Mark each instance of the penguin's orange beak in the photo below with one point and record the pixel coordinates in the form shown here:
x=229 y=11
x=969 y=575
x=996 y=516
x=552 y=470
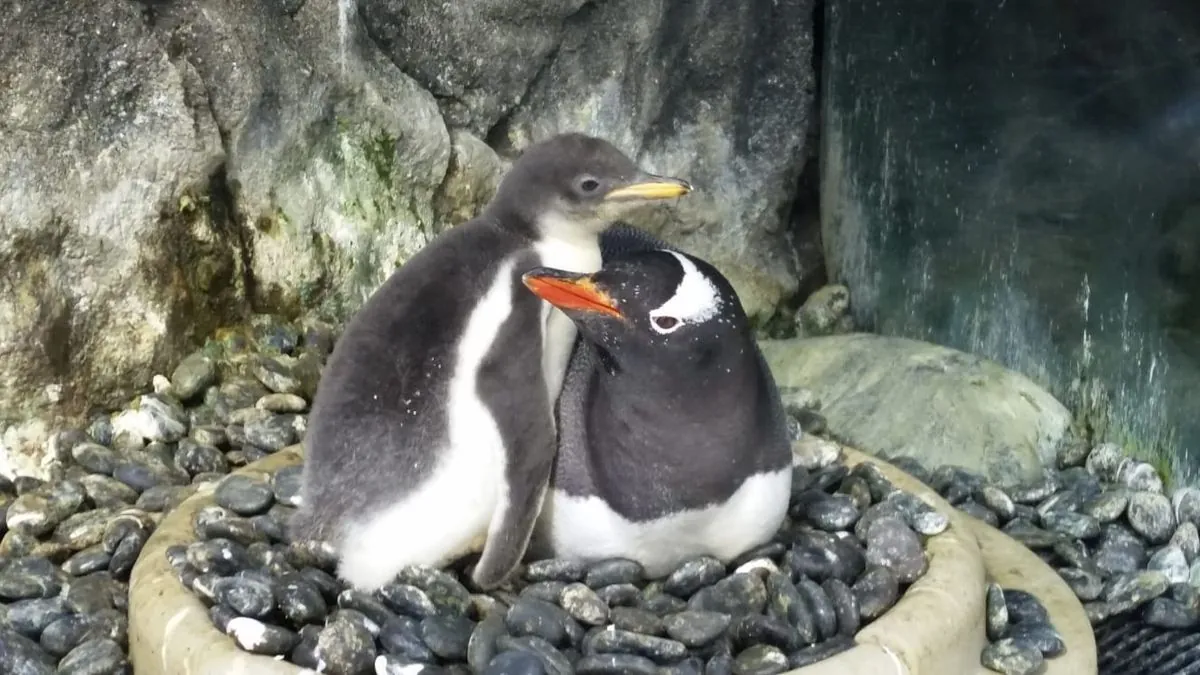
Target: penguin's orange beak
x=569 y=291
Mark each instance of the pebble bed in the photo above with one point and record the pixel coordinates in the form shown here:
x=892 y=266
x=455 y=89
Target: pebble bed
x=69 y=544
x=1104 y=522
x=850 y=547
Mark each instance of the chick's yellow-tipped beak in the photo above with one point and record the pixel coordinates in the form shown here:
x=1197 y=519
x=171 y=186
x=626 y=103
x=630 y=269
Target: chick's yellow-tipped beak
x=650 y=187
x=570 y=291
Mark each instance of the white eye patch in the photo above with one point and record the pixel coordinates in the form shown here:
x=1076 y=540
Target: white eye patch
x=695 y=300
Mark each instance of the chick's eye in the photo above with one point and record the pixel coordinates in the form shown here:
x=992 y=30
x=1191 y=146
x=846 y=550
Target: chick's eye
x=665 y=322
x=589 y=185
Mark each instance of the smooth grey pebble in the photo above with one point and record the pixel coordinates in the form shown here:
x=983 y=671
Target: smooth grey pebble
x=515 y=663
x=614 y=571
x=696 y=628
x=1012 y=657
x=100 y=656
x=760 y=660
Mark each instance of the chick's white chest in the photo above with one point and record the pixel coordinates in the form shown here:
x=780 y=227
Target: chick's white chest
x=558 y=332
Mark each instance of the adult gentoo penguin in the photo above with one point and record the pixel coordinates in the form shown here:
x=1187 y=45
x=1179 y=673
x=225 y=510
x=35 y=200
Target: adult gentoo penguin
x=432 y=431
x=672 y=438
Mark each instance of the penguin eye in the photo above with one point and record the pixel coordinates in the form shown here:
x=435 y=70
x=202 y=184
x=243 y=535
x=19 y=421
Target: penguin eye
x=589 y=185
x=665 y=323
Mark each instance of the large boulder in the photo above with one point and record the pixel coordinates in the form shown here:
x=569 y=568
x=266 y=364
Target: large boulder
x=916 y=399
x=169 y=167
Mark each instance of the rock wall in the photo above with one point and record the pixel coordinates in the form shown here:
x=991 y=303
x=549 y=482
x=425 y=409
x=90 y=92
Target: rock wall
x=167 y=167
x=1043 y=219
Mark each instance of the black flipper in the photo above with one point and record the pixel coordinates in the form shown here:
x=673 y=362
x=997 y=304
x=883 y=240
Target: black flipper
x=530 y=437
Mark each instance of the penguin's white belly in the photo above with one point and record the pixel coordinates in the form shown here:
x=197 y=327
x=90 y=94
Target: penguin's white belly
x=558 y=339
x=587 y=528
x=448 y=514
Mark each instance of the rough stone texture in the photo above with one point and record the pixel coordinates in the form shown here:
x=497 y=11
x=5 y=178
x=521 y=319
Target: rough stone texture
x=916 y=399
x=334 y=154
x=101 y=132
x=192 y=159
x=689 y=87
x=825 y=312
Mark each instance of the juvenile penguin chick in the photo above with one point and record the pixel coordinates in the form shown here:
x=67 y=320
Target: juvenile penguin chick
x=432 y=431
x=672 y=438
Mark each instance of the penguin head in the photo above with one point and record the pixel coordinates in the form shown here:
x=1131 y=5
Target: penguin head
x=573 y=181
x=658 y=303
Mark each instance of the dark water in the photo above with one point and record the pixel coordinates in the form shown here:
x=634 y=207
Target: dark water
x=1021 y=179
